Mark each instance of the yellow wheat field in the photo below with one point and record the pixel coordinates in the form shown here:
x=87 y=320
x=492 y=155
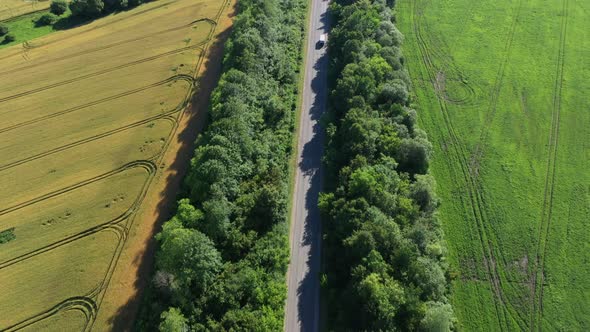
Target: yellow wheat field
x=85 y=118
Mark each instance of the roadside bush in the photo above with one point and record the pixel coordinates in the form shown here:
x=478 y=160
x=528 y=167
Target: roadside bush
x=8 y=38
x=3 y=29
x=46 y=19
x=88 y=8
x=116 y=4
x=7 y=236
x=58 y=7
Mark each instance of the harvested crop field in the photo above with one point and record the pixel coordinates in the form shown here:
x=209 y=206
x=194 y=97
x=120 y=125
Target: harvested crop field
x=502 y=88
x=88 y=118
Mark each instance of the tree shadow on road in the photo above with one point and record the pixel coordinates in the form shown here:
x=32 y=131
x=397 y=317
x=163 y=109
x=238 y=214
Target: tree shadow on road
x=310 y=165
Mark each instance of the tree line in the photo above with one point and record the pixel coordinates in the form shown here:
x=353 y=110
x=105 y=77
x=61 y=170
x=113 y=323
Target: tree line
x=79 y=11
x=384 y=252
x=96 y=8
x=222 y=259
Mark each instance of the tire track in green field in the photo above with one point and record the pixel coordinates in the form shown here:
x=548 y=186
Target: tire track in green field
x=476 y=200
x=431 y=70
x=475 y=159
x=447 y=65
x=538 y=275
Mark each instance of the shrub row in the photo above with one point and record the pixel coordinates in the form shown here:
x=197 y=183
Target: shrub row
x=96 y=8
x=222 y=259
x=383 y=244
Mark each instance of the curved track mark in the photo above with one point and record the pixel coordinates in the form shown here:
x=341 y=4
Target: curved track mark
x=165 y=116
x=84 y=304
x=142 y=163
x=150 y=170
x=476 y=199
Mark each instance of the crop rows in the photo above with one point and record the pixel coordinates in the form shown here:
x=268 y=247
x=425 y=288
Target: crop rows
x=89 y=303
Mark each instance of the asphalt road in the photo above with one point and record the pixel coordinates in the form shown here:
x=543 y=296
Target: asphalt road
x=303 y=298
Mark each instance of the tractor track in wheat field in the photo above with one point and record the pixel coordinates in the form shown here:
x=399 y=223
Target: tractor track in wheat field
x=90 y=303
x=101 y=72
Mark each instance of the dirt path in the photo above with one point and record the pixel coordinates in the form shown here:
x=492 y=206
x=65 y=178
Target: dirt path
x=134 y=268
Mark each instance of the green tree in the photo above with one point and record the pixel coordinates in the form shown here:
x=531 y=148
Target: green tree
x=188 y=215
x=381 y=298
x=173 y=321
x=439 y=317
x=58 y=7
x=413 y=156
x=9 y=37
x=3 y=29
x=88 y=8
x=424 y=194
x=46 y=19
x=188 y=255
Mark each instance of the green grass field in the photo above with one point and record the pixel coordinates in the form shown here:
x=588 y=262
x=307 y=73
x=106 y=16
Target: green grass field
x=15 y=8
x=20 y=16
x=86 y=116
x=502 y=90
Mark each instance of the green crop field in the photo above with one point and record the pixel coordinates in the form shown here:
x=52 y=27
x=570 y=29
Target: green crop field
x=86 y=117
x=502 y=89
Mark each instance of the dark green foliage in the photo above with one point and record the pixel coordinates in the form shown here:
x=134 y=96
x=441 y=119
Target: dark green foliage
x=58 y=7
x=96 y=8
x=119 y=4
x=223 y=257
x=3 y=29
x=7 y=236
x=88 y=8
x=9 y=37
x=132 y=3
x=384 y=248
x=46 y=19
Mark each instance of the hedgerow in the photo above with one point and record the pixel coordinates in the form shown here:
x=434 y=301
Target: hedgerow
x=383 y=245
x=222 y=259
